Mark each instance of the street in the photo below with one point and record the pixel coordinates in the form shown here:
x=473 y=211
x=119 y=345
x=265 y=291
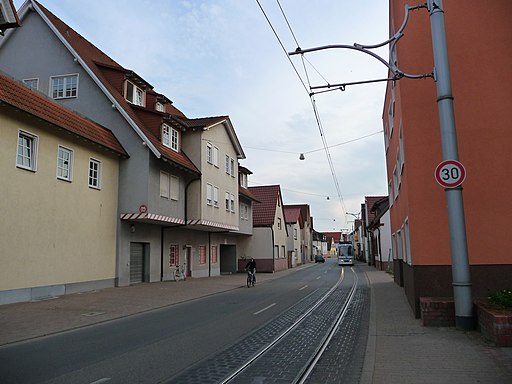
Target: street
x=181 y=343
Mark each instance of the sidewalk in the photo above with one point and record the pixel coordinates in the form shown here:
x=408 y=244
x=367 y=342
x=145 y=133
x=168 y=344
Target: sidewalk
x=400 y=349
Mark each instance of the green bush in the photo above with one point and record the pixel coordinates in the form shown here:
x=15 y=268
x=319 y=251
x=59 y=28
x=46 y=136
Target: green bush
x=501 y=298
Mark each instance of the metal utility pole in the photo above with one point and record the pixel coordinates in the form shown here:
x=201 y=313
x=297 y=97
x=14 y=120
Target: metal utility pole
x=464 y=312
x=450 y=172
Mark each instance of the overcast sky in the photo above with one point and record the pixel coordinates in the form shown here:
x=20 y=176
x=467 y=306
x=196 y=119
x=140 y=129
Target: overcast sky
x=221 y=57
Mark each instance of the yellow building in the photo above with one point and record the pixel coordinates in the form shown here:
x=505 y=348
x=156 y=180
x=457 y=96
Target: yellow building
x=58 y=198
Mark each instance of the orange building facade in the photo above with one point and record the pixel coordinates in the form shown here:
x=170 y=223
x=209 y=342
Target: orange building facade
x=479 y=39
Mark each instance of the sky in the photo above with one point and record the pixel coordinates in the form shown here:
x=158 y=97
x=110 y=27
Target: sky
x=222 y=57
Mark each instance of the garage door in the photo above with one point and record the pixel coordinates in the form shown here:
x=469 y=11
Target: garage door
x=136 y=262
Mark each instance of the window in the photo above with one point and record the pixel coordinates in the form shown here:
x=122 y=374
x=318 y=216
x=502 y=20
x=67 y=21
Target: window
x=216 y=197
x=175 y=188
x=391 y=116
x=227 y=164
x=227 y=201
x=408 y=242
x=395 y=183
x=243 y=180
x=202 y=254
x=386 y=136
x=209 y=194
x=232 y=167
x=94 y=173
x=64 y=163
x=232 y=201
x=63 y=87
x=32 y=83
x=134 y=94
x=27 y=151
x=164 y=185
x=278 y=223
x=390 y=193
x=159 y=107
x=170 y=137
x=295 y=233
x=174 y=255
x=214 y=254
x=216 y=156
x=209 y=153
x=401 y=149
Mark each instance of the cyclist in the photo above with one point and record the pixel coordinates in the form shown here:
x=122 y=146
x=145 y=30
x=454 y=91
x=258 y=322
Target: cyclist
x=251 y=268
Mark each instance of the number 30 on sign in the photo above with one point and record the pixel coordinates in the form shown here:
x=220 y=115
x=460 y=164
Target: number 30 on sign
x=450 y=173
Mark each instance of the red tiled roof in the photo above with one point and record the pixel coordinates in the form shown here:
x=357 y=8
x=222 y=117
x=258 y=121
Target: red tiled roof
x=292 y=215
x=336 y=236
x=245 y=192
x=264 y=212
x=112 y=75
x=370 y=201
x=36 y=104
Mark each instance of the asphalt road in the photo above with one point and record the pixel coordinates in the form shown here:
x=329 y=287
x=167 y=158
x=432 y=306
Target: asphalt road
x=155 y=346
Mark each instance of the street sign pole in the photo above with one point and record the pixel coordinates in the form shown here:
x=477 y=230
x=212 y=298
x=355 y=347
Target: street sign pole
x=464 y=312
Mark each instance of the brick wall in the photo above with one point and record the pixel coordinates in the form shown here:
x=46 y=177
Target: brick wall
x=495 y=325
x=437 y=311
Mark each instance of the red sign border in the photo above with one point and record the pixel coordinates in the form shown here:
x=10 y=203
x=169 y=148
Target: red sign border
x=450 y=185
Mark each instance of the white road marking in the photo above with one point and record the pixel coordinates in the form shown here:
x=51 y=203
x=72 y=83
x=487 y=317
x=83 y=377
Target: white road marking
x=319 y=277
x=264 y=309
x=104 y=380
x=304 y=287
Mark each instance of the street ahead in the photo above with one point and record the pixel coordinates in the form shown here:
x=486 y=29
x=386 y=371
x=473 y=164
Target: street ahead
x=211 y=339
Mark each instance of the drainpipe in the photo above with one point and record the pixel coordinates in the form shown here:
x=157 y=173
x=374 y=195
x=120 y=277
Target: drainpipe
x=273 y=254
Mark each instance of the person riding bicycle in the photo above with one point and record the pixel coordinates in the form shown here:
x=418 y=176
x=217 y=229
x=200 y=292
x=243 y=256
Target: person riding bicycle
x=251 y=267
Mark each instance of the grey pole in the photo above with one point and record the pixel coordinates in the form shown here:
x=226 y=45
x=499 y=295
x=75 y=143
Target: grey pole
x=464 y=312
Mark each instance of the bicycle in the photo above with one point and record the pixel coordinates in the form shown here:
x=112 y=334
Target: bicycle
x=179 y=274
x=251 y=278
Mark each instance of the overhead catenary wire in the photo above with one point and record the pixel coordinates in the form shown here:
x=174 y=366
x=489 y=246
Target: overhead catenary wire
x=311 y=97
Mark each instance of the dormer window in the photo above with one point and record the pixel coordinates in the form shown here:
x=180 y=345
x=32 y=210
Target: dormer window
x=159 y=107
x=170 y=137
x=134 y=94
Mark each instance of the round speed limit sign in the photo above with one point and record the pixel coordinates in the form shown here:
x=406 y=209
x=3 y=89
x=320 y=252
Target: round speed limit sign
x=450 y=173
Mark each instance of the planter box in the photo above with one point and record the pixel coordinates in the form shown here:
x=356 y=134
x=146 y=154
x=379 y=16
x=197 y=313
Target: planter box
x=437 y=311
x=495 y=324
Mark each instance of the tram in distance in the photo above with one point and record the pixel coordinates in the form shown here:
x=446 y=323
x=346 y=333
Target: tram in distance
x=345 y=253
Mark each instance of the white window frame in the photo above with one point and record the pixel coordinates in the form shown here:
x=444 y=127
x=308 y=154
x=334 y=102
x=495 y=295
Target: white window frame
x=61 y=163
x=164 y=185
x=175 y=188
x=96 y=176
x=209 y=153
x=209 y=194
x=216 y=156
x=138 y=94
x=166 y=135
x=28 y=153
x=227 y=201
x=391 y=116
x=159 y=107
x=279 y=224
x=175 y=140
x=227 y=164
x=68 y=91
x=215 y=197
x=401 y=148
x=232 y=167
x=32 y=83
x=408 y=241
x=396 y=183
x=232 y=203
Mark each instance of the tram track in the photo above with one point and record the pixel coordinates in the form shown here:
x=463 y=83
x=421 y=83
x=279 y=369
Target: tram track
x=290 y=353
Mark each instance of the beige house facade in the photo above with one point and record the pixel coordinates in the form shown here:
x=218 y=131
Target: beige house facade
x=59 y=199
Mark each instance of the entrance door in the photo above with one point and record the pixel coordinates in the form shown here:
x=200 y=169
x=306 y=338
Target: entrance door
x=136 y=263
x=188 y=267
